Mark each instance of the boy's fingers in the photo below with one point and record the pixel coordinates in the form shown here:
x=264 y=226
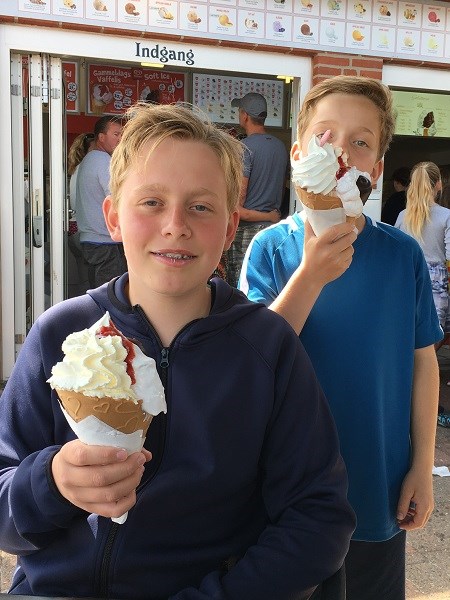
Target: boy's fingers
x=80 y=454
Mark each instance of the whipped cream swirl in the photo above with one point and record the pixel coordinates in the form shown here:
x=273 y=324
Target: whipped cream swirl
x=95 y=365
x=316 y=172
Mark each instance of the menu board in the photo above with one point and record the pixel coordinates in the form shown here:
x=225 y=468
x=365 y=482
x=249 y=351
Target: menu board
x=422 y=114
x=113 y=89
x=369 y=27
x=71 y=86
x=213 y=94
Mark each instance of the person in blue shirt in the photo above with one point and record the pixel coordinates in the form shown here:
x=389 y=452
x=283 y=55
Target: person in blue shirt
x=370 y=334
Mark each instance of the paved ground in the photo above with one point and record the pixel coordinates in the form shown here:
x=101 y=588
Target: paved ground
x=428 y=550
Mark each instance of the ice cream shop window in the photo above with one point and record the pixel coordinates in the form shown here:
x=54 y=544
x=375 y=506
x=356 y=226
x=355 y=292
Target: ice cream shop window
x=113 y=89
x=423 y=114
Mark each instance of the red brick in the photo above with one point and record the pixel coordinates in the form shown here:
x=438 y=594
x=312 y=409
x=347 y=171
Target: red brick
x=332 y=59
x=367 y=63
x=373 y=74
x=321 y=70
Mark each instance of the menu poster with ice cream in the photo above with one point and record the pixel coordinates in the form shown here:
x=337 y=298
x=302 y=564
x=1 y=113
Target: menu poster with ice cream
x=334 y=9
x=306 y=31
x=163 y=13
x=278 y=26
x=193 y=17
x=112 y=90
x=409 y=14
x=253 y=4
x=41 y=7
x=408 y=41
x=422 y=114
x=68 y=8
x=251 y=24
x=101 y=10
x=222 y=20
x=134 y=12
x=433 y=17
x=213 y=94
x=359 y=10
x=432 y=44
x=357 y=36
x=307 y=7
x=71 y=86
x=383 y=39
x=385 y=11
x=332 y=33
x=279 y=5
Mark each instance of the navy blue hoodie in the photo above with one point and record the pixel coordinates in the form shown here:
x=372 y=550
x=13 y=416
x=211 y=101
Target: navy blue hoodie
x=245 y=497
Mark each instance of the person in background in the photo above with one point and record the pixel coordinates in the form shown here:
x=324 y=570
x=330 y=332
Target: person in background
x=444 y=197
x=264 y=177
x=104 y=256
x=78 y=150
x=370 y=334
x=396 y=201
x=243 y=496
x=429 y=223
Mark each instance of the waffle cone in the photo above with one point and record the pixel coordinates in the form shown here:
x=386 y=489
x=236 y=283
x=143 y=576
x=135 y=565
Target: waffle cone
x=318 y=201
x=321 y=202
x=124 y=415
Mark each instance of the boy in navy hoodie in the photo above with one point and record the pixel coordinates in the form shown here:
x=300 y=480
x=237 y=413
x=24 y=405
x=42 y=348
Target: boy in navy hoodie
x=240 y=490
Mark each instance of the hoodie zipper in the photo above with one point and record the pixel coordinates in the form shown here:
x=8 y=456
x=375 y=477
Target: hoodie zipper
x=106 y=560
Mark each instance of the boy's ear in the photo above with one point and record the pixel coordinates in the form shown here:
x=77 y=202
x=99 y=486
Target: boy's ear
x=112 y=219
x=232 y=226
x=376 y=171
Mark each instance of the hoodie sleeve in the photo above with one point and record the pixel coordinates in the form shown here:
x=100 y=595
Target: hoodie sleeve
x=305 y=493
x=32 y=511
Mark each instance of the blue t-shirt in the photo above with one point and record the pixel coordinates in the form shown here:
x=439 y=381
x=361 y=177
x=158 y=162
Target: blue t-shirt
x=360 y=335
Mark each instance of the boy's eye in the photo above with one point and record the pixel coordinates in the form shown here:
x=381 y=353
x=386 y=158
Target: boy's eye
x=200 y=208
x=361 y=143
x=151 y=202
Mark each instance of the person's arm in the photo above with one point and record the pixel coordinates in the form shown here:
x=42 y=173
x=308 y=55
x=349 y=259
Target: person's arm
x=417 y=486
x=325 y=258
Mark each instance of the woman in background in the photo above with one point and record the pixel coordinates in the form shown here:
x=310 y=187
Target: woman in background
x=429 y=224
x=78 y=150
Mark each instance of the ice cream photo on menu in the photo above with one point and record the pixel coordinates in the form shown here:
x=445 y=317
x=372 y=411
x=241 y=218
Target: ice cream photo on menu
x=108 y=389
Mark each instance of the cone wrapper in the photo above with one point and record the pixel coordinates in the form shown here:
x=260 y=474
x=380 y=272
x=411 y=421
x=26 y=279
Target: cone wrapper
x=322 y=211
x=106 y=422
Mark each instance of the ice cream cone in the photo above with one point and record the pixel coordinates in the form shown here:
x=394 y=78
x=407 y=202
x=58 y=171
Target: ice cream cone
x=123 y=415
x=318 y=201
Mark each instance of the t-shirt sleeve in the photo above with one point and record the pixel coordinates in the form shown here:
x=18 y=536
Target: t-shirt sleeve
x=103 y=176
x=257 y=278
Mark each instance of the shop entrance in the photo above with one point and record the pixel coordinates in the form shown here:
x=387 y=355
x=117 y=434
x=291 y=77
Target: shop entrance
x=39 y=206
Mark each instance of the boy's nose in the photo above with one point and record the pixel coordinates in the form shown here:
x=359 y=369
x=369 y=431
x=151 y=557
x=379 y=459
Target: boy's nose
x=176 y=224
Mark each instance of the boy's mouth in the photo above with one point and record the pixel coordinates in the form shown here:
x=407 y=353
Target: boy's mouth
x=174 y=255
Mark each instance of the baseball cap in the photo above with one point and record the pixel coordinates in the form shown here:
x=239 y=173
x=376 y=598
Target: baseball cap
x=253 y=104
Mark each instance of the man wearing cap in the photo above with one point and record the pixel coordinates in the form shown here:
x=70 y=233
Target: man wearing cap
x=264 y=177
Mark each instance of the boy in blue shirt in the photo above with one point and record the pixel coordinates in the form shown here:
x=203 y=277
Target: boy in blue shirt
x=370 y=334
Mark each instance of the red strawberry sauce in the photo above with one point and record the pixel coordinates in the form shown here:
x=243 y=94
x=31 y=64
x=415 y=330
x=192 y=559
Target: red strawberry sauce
x=111 y=329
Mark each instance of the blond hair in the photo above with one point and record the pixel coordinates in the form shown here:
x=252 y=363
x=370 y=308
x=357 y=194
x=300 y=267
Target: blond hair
x=156 y=123
x=78 y=150
x=420 y=196
x=371 y=89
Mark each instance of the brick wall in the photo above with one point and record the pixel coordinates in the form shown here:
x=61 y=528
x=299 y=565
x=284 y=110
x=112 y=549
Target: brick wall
x=327 y=65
